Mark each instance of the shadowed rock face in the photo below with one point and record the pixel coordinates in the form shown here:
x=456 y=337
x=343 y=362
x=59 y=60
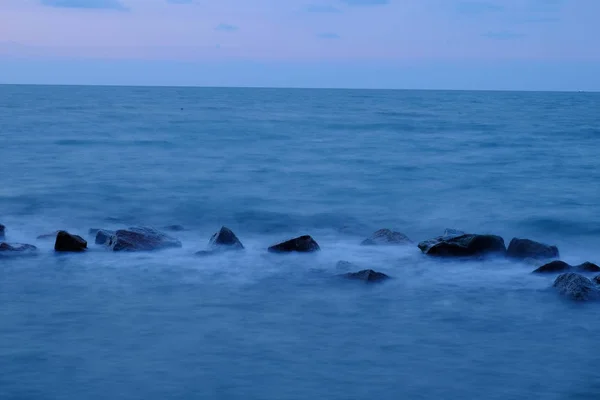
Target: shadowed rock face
x=225 y=238
x=388 y=237
x=65 y=242
x=525 y=248
x=2 y=232
x=463 y=246
x=141 y=239
x=576 y=287
x=367 y=275
x=16 y=248
x=302 y=244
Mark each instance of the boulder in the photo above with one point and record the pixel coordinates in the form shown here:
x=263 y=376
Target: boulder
x=386 y=237
x=141 y=239
x=2 y=232
x=466 y=245
x=16 y=248
x=553 y=267
x=576 y=287
x=225 y=239
x=103 y=236
x=367 y=275
x=48 y=235
x=525 y=248
x=587 y=267
x=302 y=244
x=65 y=242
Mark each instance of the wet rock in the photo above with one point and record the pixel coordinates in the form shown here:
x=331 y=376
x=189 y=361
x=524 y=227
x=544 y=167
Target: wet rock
x=302 y=244
x=463 y=246
x=141 y=239
x=65 y=242
x=174 y=228
x=525 y=248
x=103 y=236
x=2 y=232
x=367 y=275
x=587 y=267
x=386 y=237
x=576 y=287
x=225 y=239
x=48 y=235
x=6 y=248
x=553 y=267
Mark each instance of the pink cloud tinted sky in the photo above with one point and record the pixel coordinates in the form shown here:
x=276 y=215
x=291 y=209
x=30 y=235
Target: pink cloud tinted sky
x=345 y=32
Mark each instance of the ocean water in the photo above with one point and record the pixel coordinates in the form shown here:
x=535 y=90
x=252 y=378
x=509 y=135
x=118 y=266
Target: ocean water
x=271 y=164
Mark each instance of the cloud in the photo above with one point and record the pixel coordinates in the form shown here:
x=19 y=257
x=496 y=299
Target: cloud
x=322 y=8
x=93 y=4
x=504 y=35
x=478 y=7
x=226 y=28
x=366 y=2
x=328 y=35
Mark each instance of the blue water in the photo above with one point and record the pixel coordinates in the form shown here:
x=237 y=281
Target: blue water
x=272 y=164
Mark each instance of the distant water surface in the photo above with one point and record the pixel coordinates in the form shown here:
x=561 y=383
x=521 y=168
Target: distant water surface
x=272 y=164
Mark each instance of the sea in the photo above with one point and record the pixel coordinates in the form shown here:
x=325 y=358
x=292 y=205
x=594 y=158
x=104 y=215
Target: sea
x=272 y=164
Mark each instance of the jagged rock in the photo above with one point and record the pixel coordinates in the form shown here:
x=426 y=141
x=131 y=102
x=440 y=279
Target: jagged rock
x=48 y=235
x=463 y=246
x=141 y=239
x=103 y=236
x=367 y=275
x=225 y=238
x=386 y=237
x=2 y=232
x=302 y=244
x=576 y=287
x=525 y=248
x=174 y=228
x=65 y=242
x=6 y=248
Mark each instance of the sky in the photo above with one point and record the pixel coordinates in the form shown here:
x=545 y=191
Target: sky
x=411 y=44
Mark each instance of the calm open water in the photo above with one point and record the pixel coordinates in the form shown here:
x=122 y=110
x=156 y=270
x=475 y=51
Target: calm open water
x=272 y=164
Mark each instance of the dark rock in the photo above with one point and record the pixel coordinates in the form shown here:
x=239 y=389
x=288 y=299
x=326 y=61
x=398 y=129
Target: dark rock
x=48 y=235
x=2 y=232
x=141 y=239
x=525 y=248
x=386 y=237
x=65 y=242
x=103 y=236
x=16 y=248
x=463 y=246
x=367 y=275
x=553 y=267
x=225 y=238
x=302 y=244
x=597 y=279
x=576 y=287
x=174 y=228
x=587 y=267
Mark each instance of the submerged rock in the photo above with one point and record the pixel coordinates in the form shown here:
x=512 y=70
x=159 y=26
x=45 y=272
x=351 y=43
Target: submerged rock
x=65 y=242
x=525 y=248
x=466 y=245
x=16 y=248
x=103 y=236
x=2 y=232
x=367 y=275
x=576 y=287
x=302 y=244
x=386 y=237
x=345 y=265
x=225 y=238
x=141 y=239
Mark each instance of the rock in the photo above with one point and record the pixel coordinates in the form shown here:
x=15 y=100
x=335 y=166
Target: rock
x=65 y=242
x=2 y=232
x=576 y=287
x=302 y=244
x=48 y=235
x=16 y=248
x=597 y=279
x=103 y=236
x=367 y=275
x=174 y=228
x=463 y=246
x=525 y=248
x=553 y=267
x=141 y=239
x=386 y=237
x=587 y=267
x=453 y=232
x=225 y=238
